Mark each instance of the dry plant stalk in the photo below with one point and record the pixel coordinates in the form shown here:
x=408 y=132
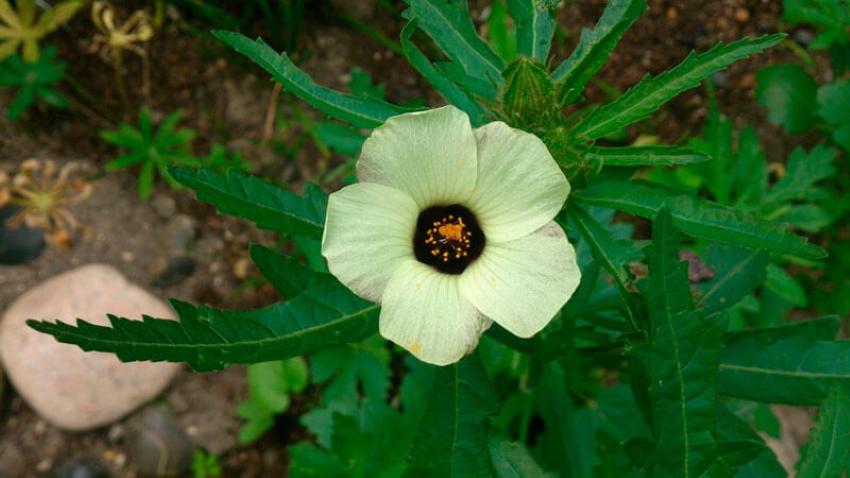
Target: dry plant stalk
x=43 y=192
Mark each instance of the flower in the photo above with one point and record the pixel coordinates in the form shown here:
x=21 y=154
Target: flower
x=451 y=229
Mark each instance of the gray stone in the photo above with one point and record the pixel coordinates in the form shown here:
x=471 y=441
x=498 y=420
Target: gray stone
x=164 y=205
x=70 y=388
x=181 y=232
x=157 y=445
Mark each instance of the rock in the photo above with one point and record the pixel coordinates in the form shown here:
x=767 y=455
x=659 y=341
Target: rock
x=21 y=244
x=70 y=388
x=174 y=271
x=182 y=230
x=157 y=445
x=165 y=206
x=83 y=468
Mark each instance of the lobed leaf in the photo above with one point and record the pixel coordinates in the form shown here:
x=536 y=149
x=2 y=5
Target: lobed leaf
x=789 y=94
x=535 y=24
x=208 y=339
x=828 y=450
x=679 y=363
x=699 y=217
x=737 y=273
x=259 y=201
x=791 y=363
x=647 y=96
x=595 y=46
x=451 y=28
x=630 y=156
x=360 y=111
x=452 y=438
x=444 y=86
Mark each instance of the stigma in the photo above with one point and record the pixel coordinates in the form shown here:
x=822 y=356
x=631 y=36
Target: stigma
x=448 y=238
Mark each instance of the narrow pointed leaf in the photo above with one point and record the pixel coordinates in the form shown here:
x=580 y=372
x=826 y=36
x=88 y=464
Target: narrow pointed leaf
x=359 y=111
x=652 y=92
x=257 y=200
x=451 y=28
x=286 y=275
x=595 y=46
x=452 y=439
x=535 y=24
x=209 y=339
x=699 y=217
x=444 y=86
x=790 y=364
x=630 y=156
x=737 y=273
x=828 y=450
x=680 y=361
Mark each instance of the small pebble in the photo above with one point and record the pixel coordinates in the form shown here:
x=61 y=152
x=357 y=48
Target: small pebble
x=182 y=230
x=157 y=445
x=83 y=468
x=21 y=244
x=164 y=205
x=175 y=271
x=742 y=15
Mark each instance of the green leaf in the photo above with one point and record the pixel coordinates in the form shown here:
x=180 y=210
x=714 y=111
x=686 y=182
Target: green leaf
x=829 y=445
x=680 y=361
x=612 y=253
x=208 y=339
x=257 y=200
x=285 y=273
x=803 y=172
x=444 y=86
x=359 y=111
x=737 y=273
x=500 y=33
x=698 y=217
x=647 y=96
x=737 y=434
x=451 y=28
x=791 y=364
x=567 y=437
x=452 y=438
x=595 y=46
x=535 y=24
x=630 y=156
x=789 y=94
x=270 y=384
x=364 y=365
x=340 y=138
x=512 y=460
x=834 y=101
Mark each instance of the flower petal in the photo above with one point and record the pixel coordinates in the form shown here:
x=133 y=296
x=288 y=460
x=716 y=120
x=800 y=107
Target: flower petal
x=520 y=187
x=423 y=311
x=522 y=284
x=428 y=154
x=368 y=232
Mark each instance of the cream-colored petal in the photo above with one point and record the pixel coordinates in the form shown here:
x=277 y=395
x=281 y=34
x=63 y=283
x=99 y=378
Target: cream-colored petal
x=427 y=154
x=520 y=187
x=368 y=232
x=423 y=311
x=523 y=283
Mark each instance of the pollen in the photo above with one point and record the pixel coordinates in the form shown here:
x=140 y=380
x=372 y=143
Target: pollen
x=448 y=238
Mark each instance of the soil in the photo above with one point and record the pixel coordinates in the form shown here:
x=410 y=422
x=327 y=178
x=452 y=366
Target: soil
x=227 y=101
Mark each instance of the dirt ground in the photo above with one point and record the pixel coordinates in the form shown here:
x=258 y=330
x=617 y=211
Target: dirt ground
x=226 y=100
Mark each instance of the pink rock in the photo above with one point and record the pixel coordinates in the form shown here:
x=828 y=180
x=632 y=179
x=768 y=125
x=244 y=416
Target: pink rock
x=70 y=388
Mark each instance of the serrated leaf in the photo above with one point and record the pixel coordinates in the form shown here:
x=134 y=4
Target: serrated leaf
x=737 y=273
x=451 y=28
x=595 y=46
x=270 y=384
x=630 y=156
x=834 y=101
x=803 y=172
x=789 y=94
x=680 y=361
x=259 y=201
x=285 y=274
x=828 y=450
x=613 y=254
x=349 y=368
x=647 y=96
x=359 y=111
x=208 y=339
x=444 y=86
x=698 y=217
x=790 y=364
x=452 y=438
x=734 y=432
x=340 y=138
x=535 y=24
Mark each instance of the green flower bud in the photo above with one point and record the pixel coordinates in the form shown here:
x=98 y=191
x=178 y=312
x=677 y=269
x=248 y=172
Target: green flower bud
x=528 y=99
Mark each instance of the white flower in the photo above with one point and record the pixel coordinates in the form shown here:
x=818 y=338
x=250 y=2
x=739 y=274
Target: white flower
x=452 y=228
